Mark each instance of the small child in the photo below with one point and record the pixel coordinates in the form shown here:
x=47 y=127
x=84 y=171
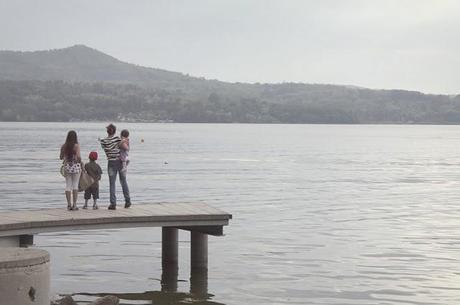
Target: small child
x=124 y=150
x=94 y=170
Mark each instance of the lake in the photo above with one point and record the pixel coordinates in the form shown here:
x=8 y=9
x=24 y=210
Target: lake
x=322 y=214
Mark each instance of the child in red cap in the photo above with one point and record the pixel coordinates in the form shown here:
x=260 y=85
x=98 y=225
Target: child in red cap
x=94 y=170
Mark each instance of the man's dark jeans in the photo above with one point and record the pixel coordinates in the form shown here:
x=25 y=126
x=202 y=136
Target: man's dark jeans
x=113 y=168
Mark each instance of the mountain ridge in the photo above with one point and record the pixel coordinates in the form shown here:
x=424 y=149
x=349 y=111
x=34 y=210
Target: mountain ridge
x=75 y=63
x=67 y=84
x=78 y=50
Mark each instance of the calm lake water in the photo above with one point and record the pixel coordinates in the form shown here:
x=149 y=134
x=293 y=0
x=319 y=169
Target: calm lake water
x=323 y=214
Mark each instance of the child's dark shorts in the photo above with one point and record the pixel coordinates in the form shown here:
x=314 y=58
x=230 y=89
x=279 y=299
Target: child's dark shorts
x=92 y=190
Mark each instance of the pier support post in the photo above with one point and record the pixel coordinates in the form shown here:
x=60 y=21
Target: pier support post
x=26 y=241
x=170 y=246
x=199 y=283
x=9 y=241
x=169 y=277
x=169 y=259
x=199 y=264
x=22 y=241
x=198 y=250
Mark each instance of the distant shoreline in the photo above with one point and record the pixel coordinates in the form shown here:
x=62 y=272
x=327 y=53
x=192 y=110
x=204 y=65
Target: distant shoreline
x=240 y=123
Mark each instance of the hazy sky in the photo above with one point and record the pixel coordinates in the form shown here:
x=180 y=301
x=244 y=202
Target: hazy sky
x=406 y=44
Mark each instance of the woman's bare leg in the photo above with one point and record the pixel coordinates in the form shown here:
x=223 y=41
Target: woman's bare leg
x=69 y=199
x=75 y=196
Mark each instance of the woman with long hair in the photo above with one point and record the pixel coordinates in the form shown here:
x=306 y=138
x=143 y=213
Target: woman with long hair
x=70 y=154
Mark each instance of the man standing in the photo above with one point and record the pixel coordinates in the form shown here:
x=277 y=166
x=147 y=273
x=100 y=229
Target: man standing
x=111 y=146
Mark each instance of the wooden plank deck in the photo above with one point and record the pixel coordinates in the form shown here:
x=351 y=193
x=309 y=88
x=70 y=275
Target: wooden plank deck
x=181 y=215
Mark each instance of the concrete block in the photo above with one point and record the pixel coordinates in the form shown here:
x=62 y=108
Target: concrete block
x=24 y=276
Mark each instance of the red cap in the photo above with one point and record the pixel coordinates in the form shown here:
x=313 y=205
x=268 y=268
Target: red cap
x=93 y=155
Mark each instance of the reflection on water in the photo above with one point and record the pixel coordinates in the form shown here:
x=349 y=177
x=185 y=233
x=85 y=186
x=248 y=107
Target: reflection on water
x=156 y=298
x=168 y=295
x=199 y=283
x=169 y=278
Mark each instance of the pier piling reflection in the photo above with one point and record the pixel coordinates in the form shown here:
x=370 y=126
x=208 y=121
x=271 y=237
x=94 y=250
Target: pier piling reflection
x=198 y=293
x=199 y=283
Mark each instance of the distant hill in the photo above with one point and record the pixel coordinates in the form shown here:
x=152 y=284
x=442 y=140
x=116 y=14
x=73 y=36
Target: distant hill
x=80 y=83
x=78 y=64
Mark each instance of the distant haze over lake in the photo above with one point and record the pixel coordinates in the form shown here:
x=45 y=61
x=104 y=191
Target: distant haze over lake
x=83 y=84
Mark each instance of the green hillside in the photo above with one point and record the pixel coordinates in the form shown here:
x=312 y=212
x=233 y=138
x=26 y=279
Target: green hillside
x=80 y=83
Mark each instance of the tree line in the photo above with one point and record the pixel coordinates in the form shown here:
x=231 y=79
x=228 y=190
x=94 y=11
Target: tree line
x=221 y=103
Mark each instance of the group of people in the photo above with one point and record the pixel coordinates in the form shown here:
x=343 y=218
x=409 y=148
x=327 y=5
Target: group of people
x=116 y=149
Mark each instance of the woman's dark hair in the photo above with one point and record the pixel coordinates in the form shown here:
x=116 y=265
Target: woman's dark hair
x=124 y=133
x=69 y=145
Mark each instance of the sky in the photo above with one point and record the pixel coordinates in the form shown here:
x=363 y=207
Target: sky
x=385 y=44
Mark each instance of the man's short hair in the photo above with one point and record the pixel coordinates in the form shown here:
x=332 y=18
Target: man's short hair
x=111 y=129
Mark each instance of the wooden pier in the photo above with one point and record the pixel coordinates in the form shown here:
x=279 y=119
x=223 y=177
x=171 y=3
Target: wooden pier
x=17 y=228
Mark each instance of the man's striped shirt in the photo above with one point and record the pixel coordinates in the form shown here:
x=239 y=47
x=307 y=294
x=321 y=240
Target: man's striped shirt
x=111 y=147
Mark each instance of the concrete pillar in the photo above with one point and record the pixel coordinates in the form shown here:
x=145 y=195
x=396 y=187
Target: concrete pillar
x=9 y=241
x=169 y=246
x=169 y=259
x=17 y=241
x=24 y=276
x=198 y=250
x=169 y=277
x=199 y=283
x=26 y=241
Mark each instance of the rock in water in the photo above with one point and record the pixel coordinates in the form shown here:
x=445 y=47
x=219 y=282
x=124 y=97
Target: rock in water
x=107 y=300
x=67 y=300
x=54 y=300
